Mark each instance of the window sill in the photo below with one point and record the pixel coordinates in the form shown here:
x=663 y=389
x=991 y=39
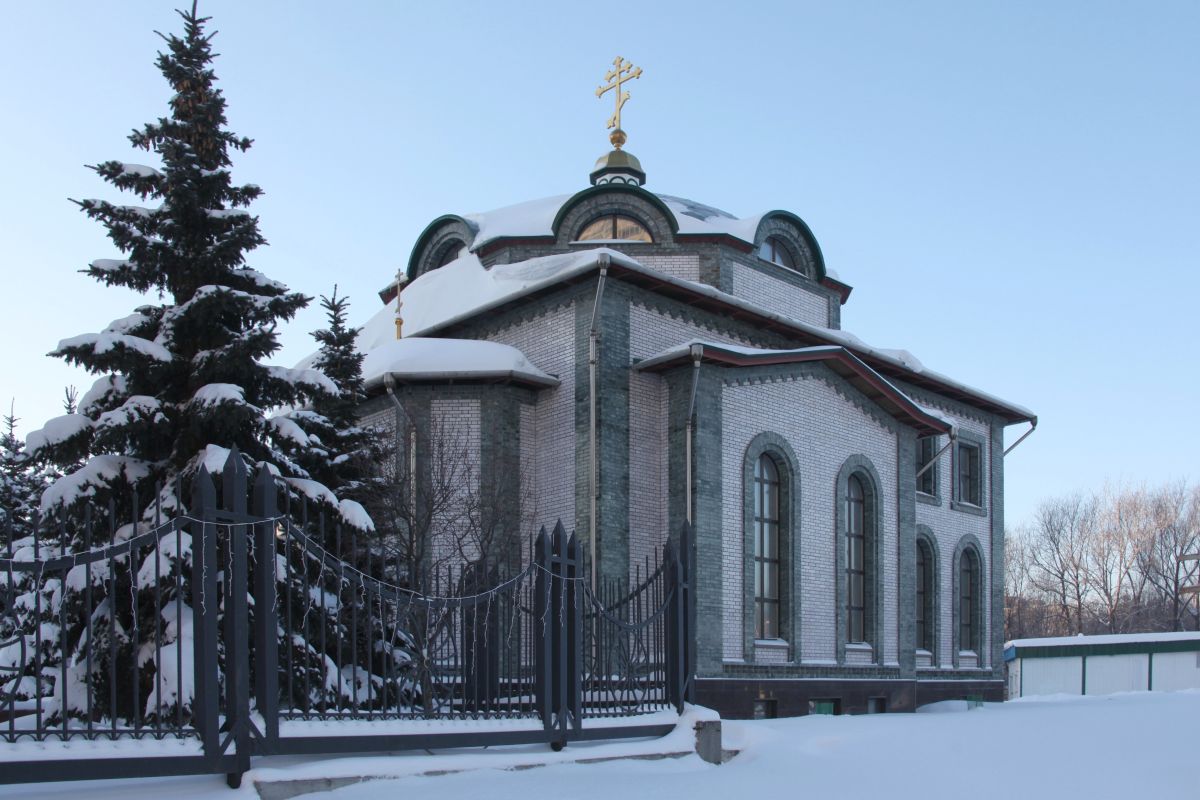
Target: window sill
x=609 y=241
x=860 y=647
x=969 y=508
x=778 y=644
x=929 y=499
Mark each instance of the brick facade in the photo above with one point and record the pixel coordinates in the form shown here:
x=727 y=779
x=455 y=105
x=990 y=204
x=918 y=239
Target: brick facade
x=816 y=424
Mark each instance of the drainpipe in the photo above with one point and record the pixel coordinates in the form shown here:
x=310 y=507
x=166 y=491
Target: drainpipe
x=937 y=455
x=1032 y=428
x=594 y=456
x=697 y=352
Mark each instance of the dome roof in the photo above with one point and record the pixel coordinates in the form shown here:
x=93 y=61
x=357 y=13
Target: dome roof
x=618 y=166
x=618 y=159
x=536 y=218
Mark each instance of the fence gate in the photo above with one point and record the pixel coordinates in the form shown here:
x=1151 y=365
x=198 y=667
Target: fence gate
x=250 y=626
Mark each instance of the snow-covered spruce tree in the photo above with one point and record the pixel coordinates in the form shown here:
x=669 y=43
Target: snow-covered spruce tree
x=21 y=484
x=345 y=454
x=181 y=382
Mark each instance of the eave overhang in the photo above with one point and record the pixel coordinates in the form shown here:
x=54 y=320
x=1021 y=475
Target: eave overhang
x=709 y=299
x=838 y=359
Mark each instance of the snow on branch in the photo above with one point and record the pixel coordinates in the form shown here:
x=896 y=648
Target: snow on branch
x=258 y=279
x=100 y=472
x=105 y=342
x=354 y=515
x=111 y=264
x=313 y=490
x=57 y=431
x=213 y=394
x=141 y=170
x=288 y=429
x=134 y=409
x=311 y=378
x=103 y=393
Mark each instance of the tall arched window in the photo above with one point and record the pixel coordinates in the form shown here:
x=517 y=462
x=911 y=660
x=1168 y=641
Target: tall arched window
x=766 y=548
x=968 y=601
x=926 y=624
x=856 y=563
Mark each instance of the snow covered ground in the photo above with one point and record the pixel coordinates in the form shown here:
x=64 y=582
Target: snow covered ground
x=1120 y=746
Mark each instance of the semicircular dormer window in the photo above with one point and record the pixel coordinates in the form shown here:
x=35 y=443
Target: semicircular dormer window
x=774 y=250
x=449 y=253
x=615 y=227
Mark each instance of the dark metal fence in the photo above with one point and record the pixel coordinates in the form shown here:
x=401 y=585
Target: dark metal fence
x=243 y=628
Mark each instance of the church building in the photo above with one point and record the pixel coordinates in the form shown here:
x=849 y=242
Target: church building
x=626 y=360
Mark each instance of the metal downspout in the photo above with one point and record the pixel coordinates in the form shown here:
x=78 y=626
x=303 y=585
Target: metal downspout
x=594 y=456
x=1013 y=446
x=697 y=352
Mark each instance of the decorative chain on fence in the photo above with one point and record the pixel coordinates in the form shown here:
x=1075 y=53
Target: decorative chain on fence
x=232 y=621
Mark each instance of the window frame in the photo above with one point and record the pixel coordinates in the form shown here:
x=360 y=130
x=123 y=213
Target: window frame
x=856 y=534
x=924 y=616
x=767 y=516
x=613 y=218
x=778 y=247
x=860 y=467
x=968 y=473
x=930 y=478
x=969 y=624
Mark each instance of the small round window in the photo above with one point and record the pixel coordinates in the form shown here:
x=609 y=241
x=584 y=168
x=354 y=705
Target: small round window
x=774 y=250
x=614 y=227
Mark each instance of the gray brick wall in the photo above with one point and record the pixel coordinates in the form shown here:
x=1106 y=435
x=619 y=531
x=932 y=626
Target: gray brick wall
x=548 y=340
x=950 y=524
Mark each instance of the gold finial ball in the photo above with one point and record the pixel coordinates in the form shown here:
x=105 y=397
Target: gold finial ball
x=617 y=138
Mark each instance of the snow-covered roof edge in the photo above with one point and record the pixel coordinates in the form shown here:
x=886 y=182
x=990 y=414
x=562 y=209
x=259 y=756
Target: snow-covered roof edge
x=927 y=416
x=1106 y=639
x=852 y=343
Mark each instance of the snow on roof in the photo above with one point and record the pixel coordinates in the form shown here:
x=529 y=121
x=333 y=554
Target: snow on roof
x=535 y=218
x=531 y=218
x=1107 y=638
x=416 y=358
x=696 y=217
x=683 y=349
x=465 y=286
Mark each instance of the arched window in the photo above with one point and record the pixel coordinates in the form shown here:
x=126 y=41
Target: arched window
x=856 y=563
x=615 y=227
x=774 y=250
x=766 y=548
x=968 y=601
x=449 y=252
x=926 y=624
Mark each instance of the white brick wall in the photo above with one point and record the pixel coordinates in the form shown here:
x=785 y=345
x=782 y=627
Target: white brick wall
x=949 y=526
x=549 y=342
x=458 y=421
x=651 y=332
x=684 y=267
x=823 y=428
x=780 y=297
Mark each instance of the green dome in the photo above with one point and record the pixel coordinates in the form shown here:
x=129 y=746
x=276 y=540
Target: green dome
x=618 y=166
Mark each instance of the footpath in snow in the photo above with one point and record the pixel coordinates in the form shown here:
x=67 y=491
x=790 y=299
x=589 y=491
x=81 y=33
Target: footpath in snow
x=1120 y=746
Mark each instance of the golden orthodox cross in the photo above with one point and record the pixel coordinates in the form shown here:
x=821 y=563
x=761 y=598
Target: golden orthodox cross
x=621 y=72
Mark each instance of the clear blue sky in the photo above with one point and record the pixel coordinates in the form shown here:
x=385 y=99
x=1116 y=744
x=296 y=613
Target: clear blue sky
x=1012 y=188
